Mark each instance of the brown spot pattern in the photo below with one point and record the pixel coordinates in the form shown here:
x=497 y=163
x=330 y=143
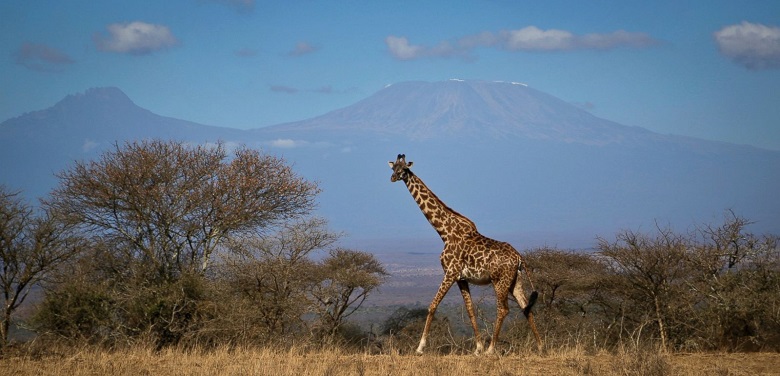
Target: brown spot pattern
x=468 y=257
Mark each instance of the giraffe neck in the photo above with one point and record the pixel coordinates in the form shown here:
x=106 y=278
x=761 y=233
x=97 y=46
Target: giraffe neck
x=447 y=222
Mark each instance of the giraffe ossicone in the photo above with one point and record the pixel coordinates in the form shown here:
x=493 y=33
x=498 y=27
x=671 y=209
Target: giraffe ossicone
x=469 y=257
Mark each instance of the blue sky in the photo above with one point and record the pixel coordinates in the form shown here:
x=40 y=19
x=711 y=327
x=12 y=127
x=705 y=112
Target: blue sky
x=708 y=69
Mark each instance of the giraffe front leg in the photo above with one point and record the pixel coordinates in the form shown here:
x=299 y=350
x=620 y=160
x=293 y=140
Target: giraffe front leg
x=443 y=288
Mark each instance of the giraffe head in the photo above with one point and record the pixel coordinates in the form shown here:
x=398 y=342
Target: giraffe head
x=400 y=168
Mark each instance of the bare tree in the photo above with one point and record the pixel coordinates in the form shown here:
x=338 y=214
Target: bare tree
x=162 y=211
x=348 y=277
x=572 y=295
x=171 y=204
x=726 y=244
x=30 y=247
x=736 y=280
x=270 y=276
x=566 y=278
x=654 y=267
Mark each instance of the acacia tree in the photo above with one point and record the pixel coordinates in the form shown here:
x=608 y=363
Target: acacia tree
x=348 y=277
x=737 y=285
x=268 y=278
x=654 y=268
x=30 y=248
x=170 y=205
x=161 y=211
x=572 y=298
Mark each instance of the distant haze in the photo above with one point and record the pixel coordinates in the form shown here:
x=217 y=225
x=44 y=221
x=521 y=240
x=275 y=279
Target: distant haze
x=525 y=166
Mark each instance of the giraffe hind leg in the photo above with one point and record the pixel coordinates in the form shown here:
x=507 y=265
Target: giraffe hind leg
x=526 y=305
x=464 y=290
x=502 y=310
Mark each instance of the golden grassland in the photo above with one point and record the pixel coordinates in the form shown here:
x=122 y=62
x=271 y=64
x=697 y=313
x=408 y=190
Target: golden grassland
x=140 y=361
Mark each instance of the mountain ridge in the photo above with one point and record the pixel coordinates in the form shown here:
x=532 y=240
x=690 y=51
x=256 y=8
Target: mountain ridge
x=539 y=165
x=38 y=144
x=106 y=111
x=468 y=108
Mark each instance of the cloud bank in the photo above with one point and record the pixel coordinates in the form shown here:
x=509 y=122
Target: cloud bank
x=754 y=46
x=136 y=38
x=42 y=58
x=401 y=49
x=529 y=38
x=532 y=38
x=286 y=143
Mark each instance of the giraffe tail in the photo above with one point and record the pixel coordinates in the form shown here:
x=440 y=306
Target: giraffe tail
x=534 y=294
x=531 y=302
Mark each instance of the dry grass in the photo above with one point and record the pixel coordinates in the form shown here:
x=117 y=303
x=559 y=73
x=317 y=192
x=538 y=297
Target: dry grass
x=140 y=361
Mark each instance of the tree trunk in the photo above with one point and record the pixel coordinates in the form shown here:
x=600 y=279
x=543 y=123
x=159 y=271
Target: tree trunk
x=5 y=326
x=659 y=318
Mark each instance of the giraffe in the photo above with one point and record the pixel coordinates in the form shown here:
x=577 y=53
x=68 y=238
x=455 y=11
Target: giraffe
x=468 y=257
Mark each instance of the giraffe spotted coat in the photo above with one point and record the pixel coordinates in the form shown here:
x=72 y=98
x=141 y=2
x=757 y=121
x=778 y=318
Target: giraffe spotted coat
x=467 y=257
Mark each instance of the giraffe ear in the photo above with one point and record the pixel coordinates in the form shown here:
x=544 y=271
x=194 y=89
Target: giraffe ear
x=409 y=164
x=391 y=163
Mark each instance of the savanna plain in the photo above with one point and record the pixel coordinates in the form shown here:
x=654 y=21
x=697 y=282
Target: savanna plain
x=167 y=259
x=238 y=361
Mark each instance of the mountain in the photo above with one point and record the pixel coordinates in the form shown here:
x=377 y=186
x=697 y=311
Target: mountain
x=522 y=164
x=36 y=145
x=525 y=166
x=458 y=109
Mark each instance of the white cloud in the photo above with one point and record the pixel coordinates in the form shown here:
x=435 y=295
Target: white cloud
x=287 y=143
x=529 y=38
x=533 y=38
x=89 y=145
x=401 y=49
x=137 y=38
x=754 y=46
x=42 y=58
